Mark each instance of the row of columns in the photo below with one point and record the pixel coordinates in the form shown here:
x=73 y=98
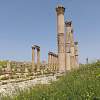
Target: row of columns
x=52 y=61
x=67 y=57
x=71 y=48
x=35 y=47
x=67 y=49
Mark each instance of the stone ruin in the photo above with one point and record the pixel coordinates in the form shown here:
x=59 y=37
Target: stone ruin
x=67 y=48
x=65 y=60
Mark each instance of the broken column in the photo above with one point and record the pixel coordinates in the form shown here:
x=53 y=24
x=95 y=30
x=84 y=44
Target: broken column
x=60 y=37
x=9 y=70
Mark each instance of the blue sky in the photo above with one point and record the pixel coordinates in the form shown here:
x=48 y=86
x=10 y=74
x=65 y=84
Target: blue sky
x=27 y=22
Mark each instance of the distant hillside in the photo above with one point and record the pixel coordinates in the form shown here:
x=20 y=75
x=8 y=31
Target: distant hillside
x=81 y=84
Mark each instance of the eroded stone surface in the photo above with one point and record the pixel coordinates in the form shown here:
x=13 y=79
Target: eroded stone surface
x=12 y=88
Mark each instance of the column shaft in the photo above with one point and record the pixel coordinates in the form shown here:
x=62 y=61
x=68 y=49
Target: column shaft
x=67 y=45
x=72 y=57
x=33 y=58
x=48 y=61
x=9 y=66
x=60 y=37
x=38 y=59
x=68 y=67
x=52 y=62
x=76 y=55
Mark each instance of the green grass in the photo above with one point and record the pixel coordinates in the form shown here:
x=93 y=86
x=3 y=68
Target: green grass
x=81 y=84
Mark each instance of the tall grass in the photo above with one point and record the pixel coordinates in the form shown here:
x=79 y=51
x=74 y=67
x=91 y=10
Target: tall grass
x=81 y=84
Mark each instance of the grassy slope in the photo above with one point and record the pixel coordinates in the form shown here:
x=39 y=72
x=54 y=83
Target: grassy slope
x=82 y=84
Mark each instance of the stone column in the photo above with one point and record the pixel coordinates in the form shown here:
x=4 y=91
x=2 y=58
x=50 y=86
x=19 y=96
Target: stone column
x=48 y=61
x=70 y=40
x=52 y=64
x=38 y=58
x=76 y=55
x=68 y=63
x=72 y=57
x=9 y=70
x=60 y=37
x=26 y=69
x=72 y=49
x=67 y=45
x=56 y=62
x=8 y=63
x=33 y=58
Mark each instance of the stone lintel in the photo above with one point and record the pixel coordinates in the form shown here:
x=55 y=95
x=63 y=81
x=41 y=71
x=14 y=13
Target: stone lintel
x=50 y=53
x=53 y=54
x=35 y=47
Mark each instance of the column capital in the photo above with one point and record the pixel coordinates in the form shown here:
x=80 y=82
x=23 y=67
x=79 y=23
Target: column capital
x=37 y=47
x=33 y=47
x=68 y=23
x=50 y=53
x=60 y=9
